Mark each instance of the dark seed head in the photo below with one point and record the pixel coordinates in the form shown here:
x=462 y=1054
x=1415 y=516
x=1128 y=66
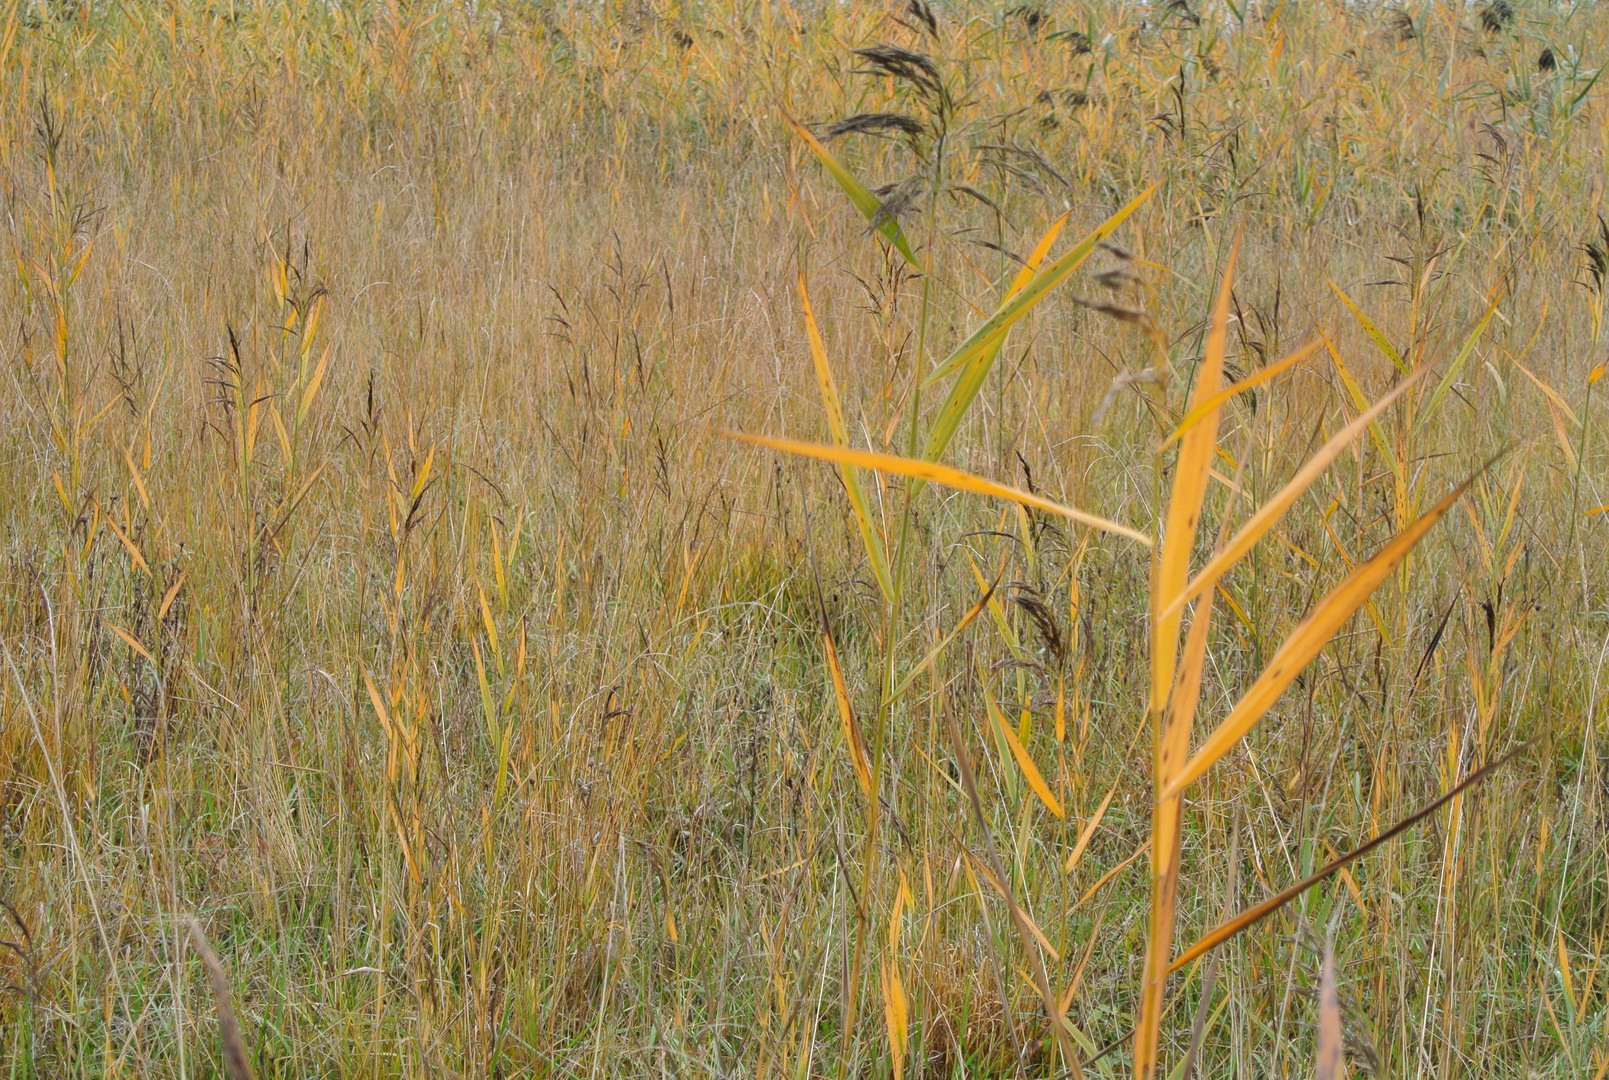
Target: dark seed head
x=869 y=123
x=923 y=14
x=900 y=63
x=1496 y=15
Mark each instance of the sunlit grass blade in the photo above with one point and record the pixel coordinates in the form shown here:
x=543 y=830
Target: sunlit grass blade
x=1306 y=641
x=1268 y=515
x=867 y=203
x=938 y=650
x=896 y=1006
x=1195 y=415
x=132 y=642
x=1088 y=831
x=1089 y=893
x=1033 y=292
x=1025 y=761
x=846 y=715
x=938 y=474
x=1374 y=333
x=1190 y=475
x=1255 y=914
x=169 y=596
x=870 y=536
x=1172 y=725
x=964 y=391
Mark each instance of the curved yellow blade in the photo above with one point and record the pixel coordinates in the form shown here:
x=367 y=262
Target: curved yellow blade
x=942 y=475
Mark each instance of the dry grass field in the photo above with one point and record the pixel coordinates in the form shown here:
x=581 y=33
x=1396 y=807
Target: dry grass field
x=383 y=587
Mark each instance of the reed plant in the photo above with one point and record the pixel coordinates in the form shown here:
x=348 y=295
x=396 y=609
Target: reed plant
x=1148 y=621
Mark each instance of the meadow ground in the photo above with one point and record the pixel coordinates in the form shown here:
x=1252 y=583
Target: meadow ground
x=379 y=586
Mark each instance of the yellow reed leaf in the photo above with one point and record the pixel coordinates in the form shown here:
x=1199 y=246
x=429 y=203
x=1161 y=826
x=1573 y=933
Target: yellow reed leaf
x=1198 y=412
x=846 y=715
x=132 y=642
x=870 y=536
x=1268 y=515
x=1305 y=642
x=1088 y=831
x=938 y=474
x=1030 y=771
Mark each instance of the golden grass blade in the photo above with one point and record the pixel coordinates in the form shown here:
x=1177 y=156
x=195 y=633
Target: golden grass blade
x=964 y=391
x=1195 y=415
x=1305 y=642
x=169 y=596
x=942 y=475
x=487 y=704
x=378 y=702
x=1172 y=725
x=846 y=715
x=1033 y=292
x=1381 y=342
x=132 y=642
x=1030 y=771
x=869 y=534
x=1257 y=526
x=1190 y=477
x=938 y=650
x=133 y=549
x=1033 y=927
x=896 y=1016
x=1360 y=402
x=867 y=203
x=236 y=1060
x=1564 y=972
x=1145 y=845
x=1253 y=915
x=1088 y=831
x=313 y=384
x=1329 y=1064
x=1187 y=688
x=896 y=1007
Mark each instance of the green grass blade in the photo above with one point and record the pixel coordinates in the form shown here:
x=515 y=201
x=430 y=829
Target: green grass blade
x=867 y=203
x=1035 y=291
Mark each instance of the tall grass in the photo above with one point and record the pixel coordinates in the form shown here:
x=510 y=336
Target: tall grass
x=379 y=590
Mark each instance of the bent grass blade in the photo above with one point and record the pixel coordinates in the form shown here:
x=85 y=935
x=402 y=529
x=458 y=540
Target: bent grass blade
x=942 y=475
x=1253 y=915
x=867 y=203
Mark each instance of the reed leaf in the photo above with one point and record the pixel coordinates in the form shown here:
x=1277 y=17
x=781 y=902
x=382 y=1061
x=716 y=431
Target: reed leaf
x=942 y=475
x=1306 y=641
x=1034 y=291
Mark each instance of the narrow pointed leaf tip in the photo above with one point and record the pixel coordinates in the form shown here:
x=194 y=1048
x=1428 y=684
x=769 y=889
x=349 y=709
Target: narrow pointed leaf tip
x=942 y=475
x=867 y=203
x=1035 y=290
x=1255 y=914
x=1306 y=641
